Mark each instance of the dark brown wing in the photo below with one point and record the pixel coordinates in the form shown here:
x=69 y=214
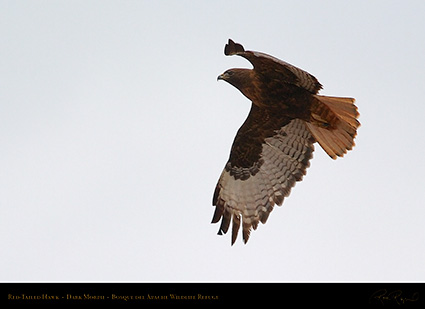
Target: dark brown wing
x=273 y=68
x=268 y=156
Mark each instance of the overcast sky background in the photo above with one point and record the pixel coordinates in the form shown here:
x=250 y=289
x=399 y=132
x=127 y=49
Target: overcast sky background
x=114 y=131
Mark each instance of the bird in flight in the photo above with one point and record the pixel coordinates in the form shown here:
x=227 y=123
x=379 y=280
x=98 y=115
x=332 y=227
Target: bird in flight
x=273 y=147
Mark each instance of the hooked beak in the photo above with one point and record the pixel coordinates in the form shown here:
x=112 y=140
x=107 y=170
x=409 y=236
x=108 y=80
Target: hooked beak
x=221 y=76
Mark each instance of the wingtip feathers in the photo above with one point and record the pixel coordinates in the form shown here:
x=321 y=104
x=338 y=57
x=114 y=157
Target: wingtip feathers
x=233 y=48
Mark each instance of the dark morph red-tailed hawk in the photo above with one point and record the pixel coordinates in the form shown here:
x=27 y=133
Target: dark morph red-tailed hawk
x=272 y=149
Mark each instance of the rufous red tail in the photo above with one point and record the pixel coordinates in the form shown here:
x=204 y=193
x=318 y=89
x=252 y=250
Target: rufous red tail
x=334 y=124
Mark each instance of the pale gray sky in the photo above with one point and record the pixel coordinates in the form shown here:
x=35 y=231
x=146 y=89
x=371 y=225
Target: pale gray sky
x=114 y=132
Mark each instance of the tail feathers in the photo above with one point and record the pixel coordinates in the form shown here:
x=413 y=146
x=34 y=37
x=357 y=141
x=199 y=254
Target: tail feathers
x=334 y=124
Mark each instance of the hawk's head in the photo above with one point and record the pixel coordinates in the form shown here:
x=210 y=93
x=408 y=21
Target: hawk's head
x=242 y=79
x=239 y=78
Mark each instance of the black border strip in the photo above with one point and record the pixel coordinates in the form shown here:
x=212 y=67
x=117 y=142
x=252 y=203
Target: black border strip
x=299 y=294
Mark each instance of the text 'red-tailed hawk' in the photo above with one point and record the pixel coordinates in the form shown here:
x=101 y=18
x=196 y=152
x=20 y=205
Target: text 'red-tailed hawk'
x=272 y=149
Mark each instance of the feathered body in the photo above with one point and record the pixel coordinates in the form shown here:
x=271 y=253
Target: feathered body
x=272 y=149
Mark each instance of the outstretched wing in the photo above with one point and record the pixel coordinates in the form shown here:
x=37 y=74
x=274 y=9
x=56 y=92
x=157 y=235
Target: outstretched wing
x=264 y=164
x=273 y=68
